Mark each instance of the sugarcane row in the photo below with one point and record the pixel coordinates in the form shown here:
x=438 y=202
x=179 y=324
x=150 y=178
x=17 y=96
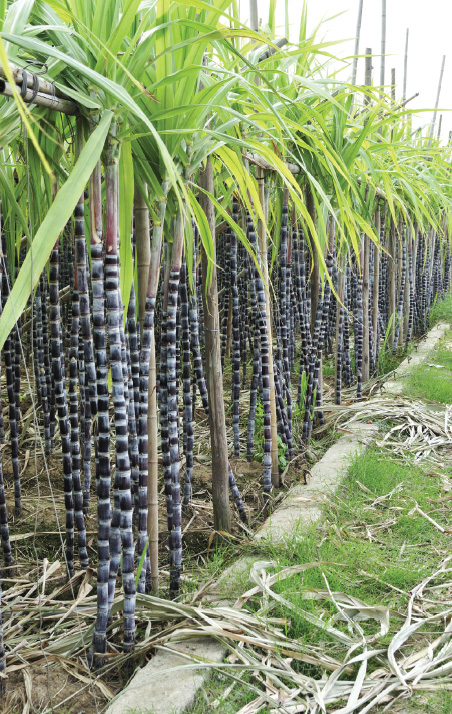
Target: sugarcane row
x=379 y=299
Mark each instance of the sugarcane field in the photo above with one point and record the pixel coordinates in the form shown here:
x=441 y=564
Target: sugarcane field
x=225 y=357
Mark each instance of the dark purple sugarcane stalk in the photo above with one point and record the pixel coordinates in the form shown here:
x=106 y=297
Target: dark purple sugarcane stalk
x=412 y=301
x=401 y=296
x=4 y=528
x=346 y=361
x=340 y=334
x=103 y=471
x=236 y=495
x=264 y=351
x=226 y=292
x=89 y=390
x=72 y=491
x=163 y=395
x=202 y=340
x=173 y=402
x=17 y=360
x=243 y=312
x=256 y=352
x=321 y=322
x=359 y=336
x=194 y=336
x=235 y=333
x=36 y=365
x=123 y=472
x=304 y=311
x=290 y=308
x=73 y=383
x=186 y=377
x=47 y=360
x=133 y=365
x=178 y=336
x=285 y=318
x=40 y=362
x=12 y=421
x=2 y=650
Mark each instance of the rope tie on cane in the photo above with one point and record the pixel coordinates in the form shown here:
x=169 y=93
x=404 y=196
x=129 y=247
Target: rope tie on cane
x=24 y=87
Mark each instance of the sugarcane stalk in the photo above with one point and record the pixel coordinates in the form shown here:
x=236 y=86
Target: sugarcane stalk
x=123 y=474
x=103 y=472
x=143 y=250
x=263 y=248
x=365 y=299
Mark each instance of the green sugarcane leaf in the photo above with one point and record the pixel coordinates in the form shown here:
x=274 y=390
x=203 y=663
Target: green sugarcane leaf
x=125 y=221
x=141 y=563
x=120 y=31
x=13 y=202
x=56 y=218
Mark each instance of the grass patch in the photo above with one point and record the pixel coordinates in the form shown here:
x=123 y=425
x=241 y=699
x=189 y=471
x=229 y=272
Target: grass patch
x=441 y=311
x=388 y=362
x=373 y=546
x=433 y=383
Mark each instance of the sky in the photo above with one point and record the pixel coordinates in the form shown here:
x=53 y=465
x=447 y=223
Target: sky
x=429 y=25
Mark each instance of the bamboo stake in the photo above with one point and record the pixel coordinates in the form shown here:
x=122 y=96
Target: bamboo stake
x=432 y=127
x=383 y=45
x=438 y=136
x=254 y=16
x=355 y=58
x=357 y=38
x=43 y=100
x=405 y=66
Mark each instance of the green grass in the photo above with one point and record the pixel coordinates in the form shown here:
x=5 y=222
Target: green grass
x=388 y=362
x=433 y=382
x=441 y=311
x=379 y=568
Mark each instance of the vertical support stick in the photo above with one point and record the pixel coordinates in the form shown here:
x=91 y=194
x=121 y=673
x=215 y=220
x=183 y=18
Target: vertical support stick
x=383 y=45
x=405 y=66
x=214 y=374
x=438 y=94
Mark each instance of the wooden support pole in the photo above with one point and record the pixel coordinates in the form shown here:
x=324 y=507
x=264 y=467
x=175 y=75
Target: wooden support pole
x=214 y=374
